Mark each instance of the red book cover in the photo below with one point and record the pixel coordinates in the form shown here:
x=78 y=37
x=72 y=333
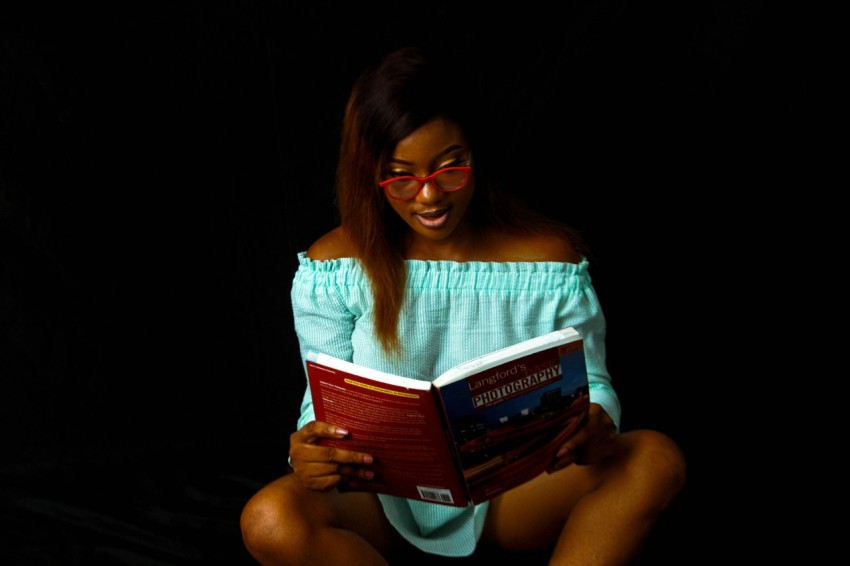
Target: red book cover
x=400 y=426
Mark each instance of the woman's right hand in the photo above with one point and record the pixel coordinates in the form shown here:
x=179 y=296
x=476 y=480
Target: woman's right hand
x=322 y=468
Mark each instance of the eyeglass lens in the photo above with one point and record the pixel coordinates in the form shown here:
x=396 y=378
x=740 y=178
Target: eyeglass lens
x=450 y=180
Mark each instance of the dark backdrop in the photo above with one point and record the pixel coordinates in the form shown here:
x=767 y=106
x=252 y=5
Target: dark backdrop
x=162 y=163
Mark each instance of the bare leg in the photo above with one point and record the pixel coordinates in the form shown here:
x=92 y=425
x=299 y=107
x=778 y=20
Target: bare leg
x=597 y=514
x=285 y=523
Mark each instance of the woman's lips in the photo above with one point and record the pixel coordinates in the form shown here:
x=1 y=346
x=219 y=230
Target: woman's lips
x=433 y=219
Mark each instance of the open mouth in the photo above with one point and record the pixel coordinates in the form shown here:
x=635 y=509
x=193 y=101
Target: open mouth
x=434 y=218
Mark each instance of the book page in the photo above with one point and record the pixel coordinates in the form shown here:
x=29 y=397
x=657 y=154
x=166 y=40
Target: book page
x=507 y=354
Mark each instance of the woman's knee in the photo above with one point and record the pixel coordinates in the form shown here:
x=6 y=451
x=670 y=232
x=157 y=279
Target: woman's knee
x=260 y=515
x=272 y=522
x=658 y=462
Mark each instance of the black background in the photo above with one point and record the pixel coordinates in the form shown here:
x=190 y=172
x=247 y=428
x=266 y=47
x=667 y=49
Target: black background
x=162 y=163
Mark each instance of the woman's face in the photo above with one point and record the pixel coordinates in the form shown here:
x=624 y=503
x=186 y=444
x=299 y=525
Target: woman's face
x=433 y=215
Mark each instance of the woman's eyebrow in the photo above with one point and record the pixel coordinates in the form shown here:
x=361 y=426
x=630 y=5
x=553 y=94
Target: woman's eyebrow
x=437 y=157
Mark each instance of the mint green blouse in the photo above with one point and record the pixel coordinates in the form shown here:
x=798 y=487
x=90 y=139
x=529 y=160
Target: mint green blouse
x=452 y=312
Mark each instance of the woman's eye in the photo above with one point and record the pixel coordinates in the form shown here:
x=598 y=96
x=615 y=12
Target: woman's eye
x=457 y=162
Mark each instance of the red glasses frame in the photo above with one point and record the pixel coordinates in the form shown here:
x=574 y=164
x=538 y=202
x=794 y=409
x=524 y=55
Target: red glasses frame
x=427 y=179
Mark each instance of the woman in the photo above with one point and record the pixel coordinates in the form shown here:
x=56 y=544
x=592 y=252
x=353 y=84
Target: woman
x=433 y=264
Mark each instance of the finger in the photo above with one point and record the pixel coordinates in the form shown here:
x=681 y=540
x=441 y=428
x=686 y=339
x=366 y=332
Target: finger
x=319 y=469
x=572 y=444
x=567 y=454
x=325 y=476
x=339 y=455
x=568 y=451
x=314 y=460
x=315 y=430
x=356 y=472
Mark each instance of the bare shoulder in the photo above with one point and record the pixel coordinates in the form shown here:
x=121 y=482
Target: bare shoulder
x=333 y=245
x=536 y=247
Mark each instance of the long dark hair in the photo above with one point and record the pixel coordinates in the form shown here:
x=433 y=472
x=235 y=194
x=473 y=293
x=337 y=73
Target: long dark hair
x=406 y=89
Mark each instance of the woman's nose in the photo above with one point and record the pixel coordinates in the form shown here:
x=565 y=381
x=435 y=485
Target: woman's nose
x=429 y=192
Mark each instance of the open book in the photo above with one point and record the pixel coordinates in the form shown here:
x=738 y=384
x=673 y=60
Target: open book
x=479 y=429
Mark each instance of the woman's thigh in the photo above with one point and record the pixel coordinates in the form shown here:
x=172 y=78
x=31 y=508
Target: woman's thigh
x=643 y=473
x=531 y=516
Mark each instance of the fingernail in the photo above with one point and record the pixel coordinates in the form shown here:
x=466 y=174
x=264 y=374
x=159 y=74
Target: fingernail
x=342 y=431
x=369 y=474
x=562 y=452
x=368 y=459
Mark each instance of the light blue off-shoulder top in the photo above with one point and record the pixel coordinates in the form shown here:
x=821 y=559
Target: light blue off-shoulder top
x=452 y=312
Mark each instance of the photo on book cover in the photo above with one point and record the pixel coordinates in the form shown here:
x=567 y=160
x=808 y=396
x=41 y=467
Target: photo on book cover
x=501 y=419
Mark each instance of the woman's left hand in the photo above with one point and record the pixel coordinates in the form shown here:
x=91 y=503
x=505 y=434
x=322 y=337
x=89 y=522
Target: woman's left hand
x=591 y=443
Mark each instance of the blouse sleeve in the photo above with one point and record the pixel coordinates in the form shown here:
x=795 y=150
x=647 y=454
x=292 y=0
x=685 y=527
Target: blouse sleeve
x=600 y=386
x=583 y=311
x=323 y=322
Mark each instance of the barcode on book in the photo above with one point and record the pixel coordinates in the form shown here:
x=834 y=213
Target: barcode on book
x=432 y=494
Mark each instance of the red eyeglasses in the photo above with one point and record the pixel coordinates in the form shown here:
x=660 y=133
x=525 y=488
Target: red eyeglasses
x=447 y=179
